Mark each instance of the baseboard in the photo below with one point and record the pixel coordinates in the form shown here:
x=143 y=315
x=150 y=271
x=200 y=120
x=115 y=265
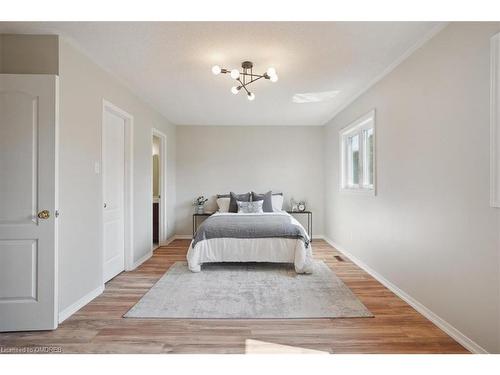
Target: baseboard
x=458 y=336
x=183 y=237
x=70 y=310
x=168 y=241
x=142 y=260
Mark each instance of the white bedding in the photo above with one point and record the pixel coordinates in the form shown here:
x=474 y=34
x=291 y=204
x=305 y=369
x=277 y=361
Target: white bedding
x=276 y=250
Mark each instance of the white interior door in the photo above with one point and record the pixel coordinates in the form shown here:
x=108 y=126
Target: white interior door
x=114 y=184
x=28 y=201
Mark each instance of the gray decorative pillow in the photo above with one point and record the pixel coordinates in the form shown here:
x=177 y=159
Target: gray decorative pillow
x=267 y=198
x=250 y=207
x=233 y=207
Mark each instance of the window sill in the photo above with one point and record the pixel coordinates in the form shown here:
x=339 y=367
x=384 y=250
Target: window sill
x=361 y=191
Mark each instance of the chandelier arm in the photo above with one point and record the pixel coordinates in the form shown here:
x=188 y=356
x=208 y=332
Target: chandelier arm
x=243 y=73
x=256 y=79
x=245 y=87
x=253 y=75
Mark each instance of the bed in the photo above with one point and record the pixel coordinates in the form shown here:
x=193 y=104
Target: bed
x=251 y=237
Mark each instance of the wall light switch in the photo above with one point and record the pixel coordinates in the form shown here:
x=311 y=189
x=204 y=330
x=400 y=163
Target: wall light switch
x=97 y=167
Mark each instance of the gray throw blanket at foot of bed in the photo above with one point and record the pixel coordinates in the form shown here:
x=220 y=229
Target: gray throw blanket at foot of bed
x=267 y=225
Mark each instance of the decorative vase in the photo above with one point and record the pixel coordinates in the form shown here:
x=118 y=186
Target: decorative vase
x=200 y=209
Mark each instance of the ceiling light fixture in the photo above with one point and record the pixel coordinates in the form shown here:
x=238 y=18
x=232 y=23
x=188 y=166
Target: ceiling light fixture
x=245 y=77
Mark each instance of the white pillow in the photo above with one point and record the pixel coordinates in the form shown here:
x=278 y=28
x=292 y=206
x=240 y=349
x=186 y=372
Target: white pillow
x=223 y=204
x=277 y=202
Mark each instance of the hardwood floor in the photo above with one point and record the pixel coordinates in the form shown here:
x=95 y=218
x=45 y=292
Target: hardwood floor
x=100 y=328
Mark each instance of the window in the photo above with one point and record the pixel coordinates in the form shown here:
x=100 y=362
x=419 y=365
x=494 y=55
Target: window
x=358 y=155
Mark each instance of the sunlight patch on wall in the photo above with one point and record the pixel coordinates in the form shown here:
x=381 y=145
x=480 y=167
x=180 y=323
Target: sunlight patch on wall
x=315 y=97
x=263 y=347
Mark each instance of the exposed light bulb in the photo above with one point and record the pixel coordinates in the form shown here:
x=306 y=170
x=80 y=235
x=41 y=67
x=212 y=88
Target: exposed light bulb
x=216 y=69
x=235 y=74
x=274 y=78
x=251 y=96
x=271 y=72
x=235 y=90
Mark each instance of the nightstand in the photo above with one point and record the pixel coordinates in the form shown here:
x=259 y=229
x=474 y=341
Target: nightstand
x=309 y=220
x=195 y=219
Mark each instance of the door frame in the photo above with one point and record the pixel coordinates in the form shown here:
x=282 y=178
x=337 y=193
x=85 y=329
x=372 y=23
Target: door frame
x=128 y=204
x=162 y=167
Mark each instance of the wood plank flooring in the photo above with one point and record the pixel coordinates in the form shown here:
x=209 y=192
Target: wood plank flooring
x=100 y=328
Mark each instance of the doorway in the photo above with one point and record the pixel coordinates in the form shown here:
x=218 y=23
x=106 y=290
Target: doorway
x=117 y=215
x=158 y=194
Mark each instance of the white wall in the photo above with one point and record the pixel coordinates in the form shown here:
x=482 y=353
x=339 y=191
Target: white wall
x=219 y=159
x=83 y=86
x=430 y=230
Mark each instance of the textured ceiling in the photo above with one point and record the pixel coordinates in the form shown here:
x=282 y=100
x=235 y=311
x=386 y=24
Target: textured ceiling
x=169 y=64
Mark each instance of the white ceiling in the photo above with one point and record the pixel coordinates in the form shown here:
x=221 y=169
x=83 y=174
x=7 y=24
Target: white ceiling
x=169 y=64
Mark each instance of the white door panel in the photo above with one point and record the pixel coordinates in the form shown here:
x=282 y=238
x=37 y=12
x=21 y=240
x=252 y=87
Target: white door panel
x=114 y=180
x=18 y=282
x=28 y=185
x=19 y=157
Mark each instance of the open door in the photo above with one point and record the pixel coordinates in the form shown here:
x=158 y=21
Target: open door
x=28 y=202
x=159 y=194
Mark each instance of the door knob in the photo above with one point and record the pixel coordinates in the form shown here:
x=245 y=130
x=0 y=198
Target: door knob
x=44 y=214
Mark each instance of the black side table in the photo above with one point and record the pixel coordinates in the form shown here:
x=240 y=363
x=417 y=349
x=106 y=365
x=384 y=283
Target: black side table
x=195 y=219
x=309 y=221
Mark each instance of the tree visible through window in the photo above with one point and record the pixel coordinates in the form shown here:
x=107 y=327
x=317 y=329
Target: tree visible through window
x=358 y=154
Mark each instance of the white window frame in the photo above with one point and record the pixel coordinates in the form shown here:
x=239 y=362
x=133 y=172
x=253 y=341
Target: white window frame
x=358 y=126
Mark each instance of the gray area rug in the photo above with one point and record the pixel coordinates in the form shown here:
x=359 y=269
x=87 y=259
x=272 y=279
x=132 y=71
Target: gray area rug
x=248 y=291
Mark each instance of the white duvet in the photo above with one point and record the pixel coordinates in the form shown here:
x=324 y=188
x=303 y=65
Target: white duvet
x=275 y=250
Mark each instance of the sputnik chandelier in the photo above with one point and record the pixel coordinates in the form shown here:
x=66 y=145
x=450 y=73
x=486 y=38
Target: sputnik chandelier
x=245 y=77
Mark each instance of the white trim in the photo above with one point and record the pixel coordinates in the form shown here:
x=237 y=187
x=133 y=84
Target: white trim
x=163 y=222
x=56 y=199
x=141 y=260
x=129 y=182
x=73 y=308
x=454 y=333
x=494 y=121
x=428 y=36
x=169 y=241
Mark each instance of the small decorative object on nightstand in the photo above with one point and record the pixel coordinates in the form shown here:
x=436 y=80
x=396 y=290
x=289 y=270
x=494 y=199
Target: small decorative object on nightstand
x=309 y=219
x=195 y=219
x=199 y=204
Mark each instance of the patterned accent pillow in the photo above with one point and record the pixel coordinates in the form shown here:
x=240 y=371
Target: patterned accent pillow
x=250 y=207
x=233 y=207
